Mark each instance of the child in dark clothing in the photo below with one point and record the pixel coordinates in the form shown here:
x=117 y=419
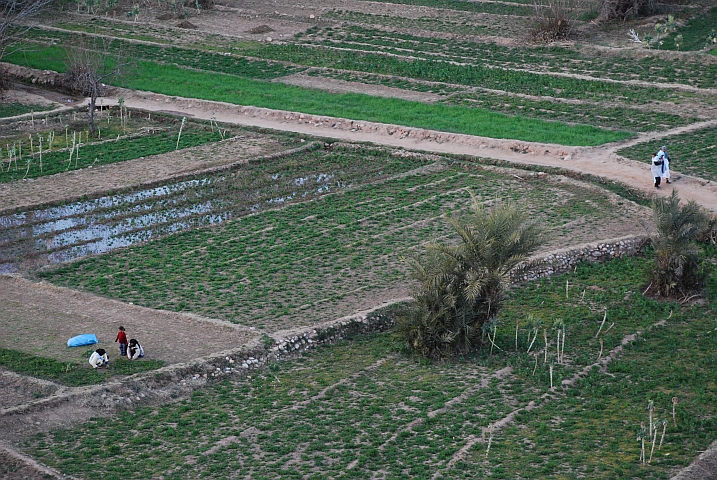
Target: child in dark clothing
x=122 y=339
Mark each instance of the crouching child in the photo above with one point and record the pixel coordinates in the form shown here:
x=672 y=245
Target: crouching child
x=99 y=358
x=134 y=350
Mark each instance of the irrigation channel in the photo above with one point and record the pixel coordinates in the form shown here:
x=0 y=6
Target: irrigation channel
x=67 y=232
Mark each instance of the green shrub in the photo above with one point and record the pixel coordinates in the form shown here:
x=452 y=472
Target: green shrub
x=462 y=287
x=679 y=267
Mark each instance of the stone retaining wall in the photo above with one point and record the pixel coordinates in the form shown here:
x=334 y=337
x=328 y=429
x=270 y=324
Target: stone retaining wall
x=563 y=260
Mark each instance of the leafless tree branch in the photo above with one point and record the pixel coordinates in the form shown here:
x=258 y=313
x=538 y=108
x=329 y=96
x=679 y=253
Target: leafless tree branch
x=13 y=20
x=89 y=67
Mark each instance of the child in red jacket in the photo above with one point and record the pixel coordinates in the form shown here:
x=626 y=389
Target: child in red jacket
x=122 y=339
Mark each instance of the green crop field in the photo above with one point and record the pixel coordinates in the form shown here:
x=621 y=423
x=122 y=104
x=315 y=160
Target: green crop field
x=172 y=80
x=364 y=406
x=368 y=208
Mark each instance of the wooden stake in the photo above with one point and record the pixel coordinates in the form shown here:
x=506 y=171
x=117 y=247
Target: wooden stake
x=601 y=325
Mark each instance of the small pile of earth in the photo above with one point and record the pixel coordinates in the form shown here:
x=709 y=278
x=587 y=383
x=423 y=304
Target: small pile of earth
x=187 y=24
x=261 y=29
x=167 y=16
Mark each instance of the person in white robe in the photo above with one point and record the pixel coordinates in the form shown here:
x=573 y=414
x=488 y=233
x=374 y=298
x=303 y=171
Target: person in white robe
x=656 y=169
x=665 y=163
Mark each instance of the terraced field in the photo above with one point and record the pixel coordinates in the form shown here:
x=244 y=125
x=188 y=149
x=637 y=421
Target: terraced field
x=363 y=407
x=350 y=214
x=584 y=84
x=221 y=232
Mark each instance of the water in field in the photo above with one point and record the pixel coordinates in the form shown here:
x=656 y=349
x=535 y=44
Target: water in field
x=67 y=232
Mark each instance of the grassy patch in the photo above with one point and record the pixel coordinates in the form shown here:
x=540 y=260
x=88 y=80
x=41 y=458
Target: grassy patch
x=70 y=373
x=692 y=153
x=359 y=407
x=16 y=108
x=695 y=34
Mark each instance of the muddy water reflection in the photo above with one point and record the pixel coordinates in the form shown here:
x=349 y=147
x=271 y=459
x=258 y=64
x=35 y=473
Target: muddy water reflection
x=63 y=233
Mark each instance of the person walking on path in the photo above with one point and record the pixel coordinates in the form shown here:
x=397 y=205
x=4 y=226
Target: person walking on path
x=656 y=169
x=122 y=339
x=134 y=350
x=99 y=358
x=662 y=154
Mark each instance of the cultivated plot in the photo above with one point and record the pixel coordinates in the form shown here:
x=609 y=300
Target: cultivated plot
x=364 y=407
x=333 y=247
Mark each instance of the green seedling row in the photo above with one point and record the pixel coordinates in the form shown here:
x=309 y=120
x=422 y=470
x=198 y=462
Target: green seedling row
x=552 y=59
x=430 y=69
x=589 y=113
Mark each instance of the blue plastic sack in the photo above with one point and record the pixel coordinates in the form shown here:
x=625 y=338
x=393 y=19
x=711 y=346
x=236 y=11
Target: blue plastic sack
x=82 y=340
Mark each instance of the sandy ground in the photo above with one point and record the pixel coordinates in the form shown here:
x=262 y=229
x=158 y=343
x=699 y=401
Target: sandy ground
x=40 y=318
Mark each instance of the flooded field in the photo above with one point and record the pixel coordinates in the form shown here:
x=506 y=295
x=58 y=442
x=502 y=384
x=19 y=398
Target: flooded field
x=67 y=232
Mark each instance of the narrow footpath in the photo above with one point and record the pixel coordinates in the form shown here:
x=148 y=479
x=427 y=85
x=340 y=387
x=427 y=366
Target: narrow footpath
x=601 y=161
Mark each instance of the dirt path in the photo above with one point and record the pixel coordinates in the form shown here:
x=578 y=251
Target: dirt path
x=600 y=161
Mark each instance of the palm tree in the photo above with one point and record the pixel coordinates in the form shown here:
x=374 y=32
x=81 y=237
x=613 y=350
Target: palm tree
x=461 y=287
x=679 y=267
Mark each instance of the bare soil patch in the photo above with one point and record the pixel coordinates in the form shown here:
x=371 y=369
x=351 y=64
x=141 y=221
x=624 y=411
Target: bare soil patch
x=38 y=318
x=261 y=29
x=343 y=86
x=187 y=24
x=14 y=468
x=17 y=427
x=104 y=178
x=38 y=96
x=17 y=389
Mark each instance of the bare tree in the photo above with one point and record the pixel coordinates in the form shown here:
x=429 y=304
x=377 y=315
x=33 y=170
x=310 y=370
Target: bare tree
x=88 y=68
x=13 y=21
x=554 y=20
